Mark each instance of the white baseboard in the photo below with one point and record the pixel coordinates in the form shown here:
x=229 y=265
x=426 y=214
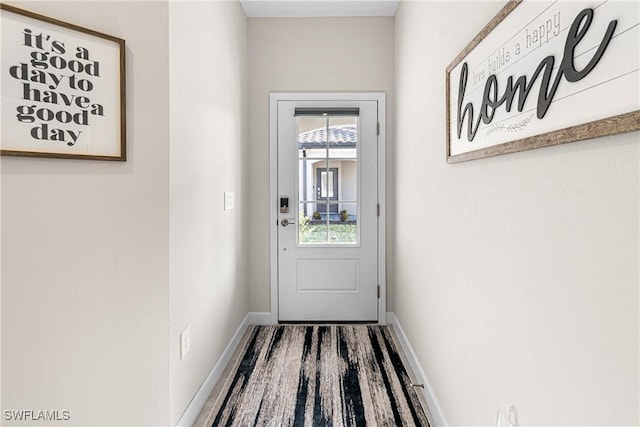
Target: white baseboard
x=190 y=414
x=261 y=318
x=433 y=405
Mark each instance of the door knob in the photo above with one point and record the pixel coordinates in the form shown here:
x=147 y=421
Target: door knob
x=286 y=222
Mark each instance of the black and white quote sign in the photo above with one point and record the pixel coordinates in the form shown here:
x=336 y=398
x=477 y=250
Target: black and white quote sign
x=545 y=67
x=61 y=90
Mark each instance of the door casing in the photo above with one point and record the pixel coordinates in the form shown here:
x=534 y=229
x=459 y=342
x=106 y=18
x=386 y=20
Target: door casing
x=274 y=98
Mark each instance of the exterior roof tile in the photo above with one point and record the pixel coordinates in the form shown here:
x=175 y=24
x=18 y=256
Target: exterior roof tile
x=343 y=135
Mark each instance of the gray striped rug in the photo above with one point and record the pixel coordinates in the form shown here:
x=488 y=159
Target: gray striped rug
x=319 y=376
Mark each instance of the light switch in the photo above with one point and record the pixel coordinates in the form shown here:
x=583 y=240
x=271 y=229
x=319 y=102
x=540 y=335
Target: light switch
x=228 y=200
x=185 y=342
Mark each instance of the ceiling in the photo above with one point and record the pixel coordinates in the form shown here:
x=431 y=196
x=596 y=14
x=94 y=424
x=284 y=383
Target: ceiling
x=318 y=8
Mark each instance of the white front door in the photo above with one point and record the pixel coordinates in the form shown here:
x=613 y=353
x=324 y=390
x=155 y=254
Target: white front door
x=327 y=185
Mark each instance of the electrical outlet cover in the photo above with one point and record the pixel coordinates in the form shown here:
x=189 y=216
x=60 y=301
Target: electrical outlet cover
x=507 y=418
x=229 y=200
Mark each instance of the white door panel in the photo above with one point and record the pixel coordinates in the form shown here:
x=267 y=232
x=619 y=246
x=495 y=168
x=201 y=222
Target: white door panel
x=328 y=252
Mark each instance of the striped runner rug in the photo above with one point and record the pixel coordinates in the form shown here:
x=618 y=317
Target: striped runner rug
x=337 y=375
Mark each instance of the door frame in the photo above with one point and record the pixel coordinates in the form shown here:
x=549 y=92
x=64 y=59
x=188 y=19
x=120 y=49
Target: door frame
x=274 y=98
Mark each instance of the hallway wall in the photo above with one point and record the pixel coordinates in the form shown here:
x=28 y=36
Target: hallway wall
x=308 y=55
x=85 y=251
x=516 y=276
x=208 y=78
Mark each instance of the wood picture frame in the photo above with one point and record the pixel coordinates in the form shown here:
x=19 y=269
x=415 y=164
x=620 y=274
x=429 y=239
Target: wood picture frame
x=544 y=73
x=63 y=89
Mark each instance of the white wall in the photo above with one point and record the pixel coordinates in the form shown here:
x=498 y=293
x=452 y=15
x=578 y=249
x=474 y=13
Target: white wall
x=516 y=276
x=306 y=55
x=208 y=157
x=105 y=263
x=85 y=251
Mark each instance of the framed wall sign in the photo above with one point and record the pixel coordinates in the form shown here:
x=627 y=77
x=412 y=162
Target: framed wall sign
x=545 y=73
x=63 y=89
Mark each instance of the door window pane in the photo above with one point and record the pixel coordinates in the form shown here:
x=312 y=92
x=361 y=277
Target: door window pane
x=327 y=179
x=343 y=227
x=343 y=134
x=312 y=226
x=307 y=177
x=312 y=137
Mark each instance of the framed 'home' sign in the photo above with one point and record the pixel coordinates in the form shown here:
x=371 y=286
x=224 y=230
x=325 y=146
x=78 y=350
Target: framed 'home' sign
x=63 y=89
x=545 y=73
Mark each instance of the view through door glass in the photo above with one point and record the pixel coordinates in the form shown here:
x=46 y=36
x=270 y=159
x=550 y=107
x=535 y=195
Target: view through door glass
x=328 y=180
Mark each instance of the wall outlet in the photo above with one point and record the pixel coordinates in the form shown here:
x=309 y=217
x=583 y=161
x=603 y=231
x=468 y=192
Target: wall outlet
x=228 y=200
x=507 y=418
x=185 y=342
